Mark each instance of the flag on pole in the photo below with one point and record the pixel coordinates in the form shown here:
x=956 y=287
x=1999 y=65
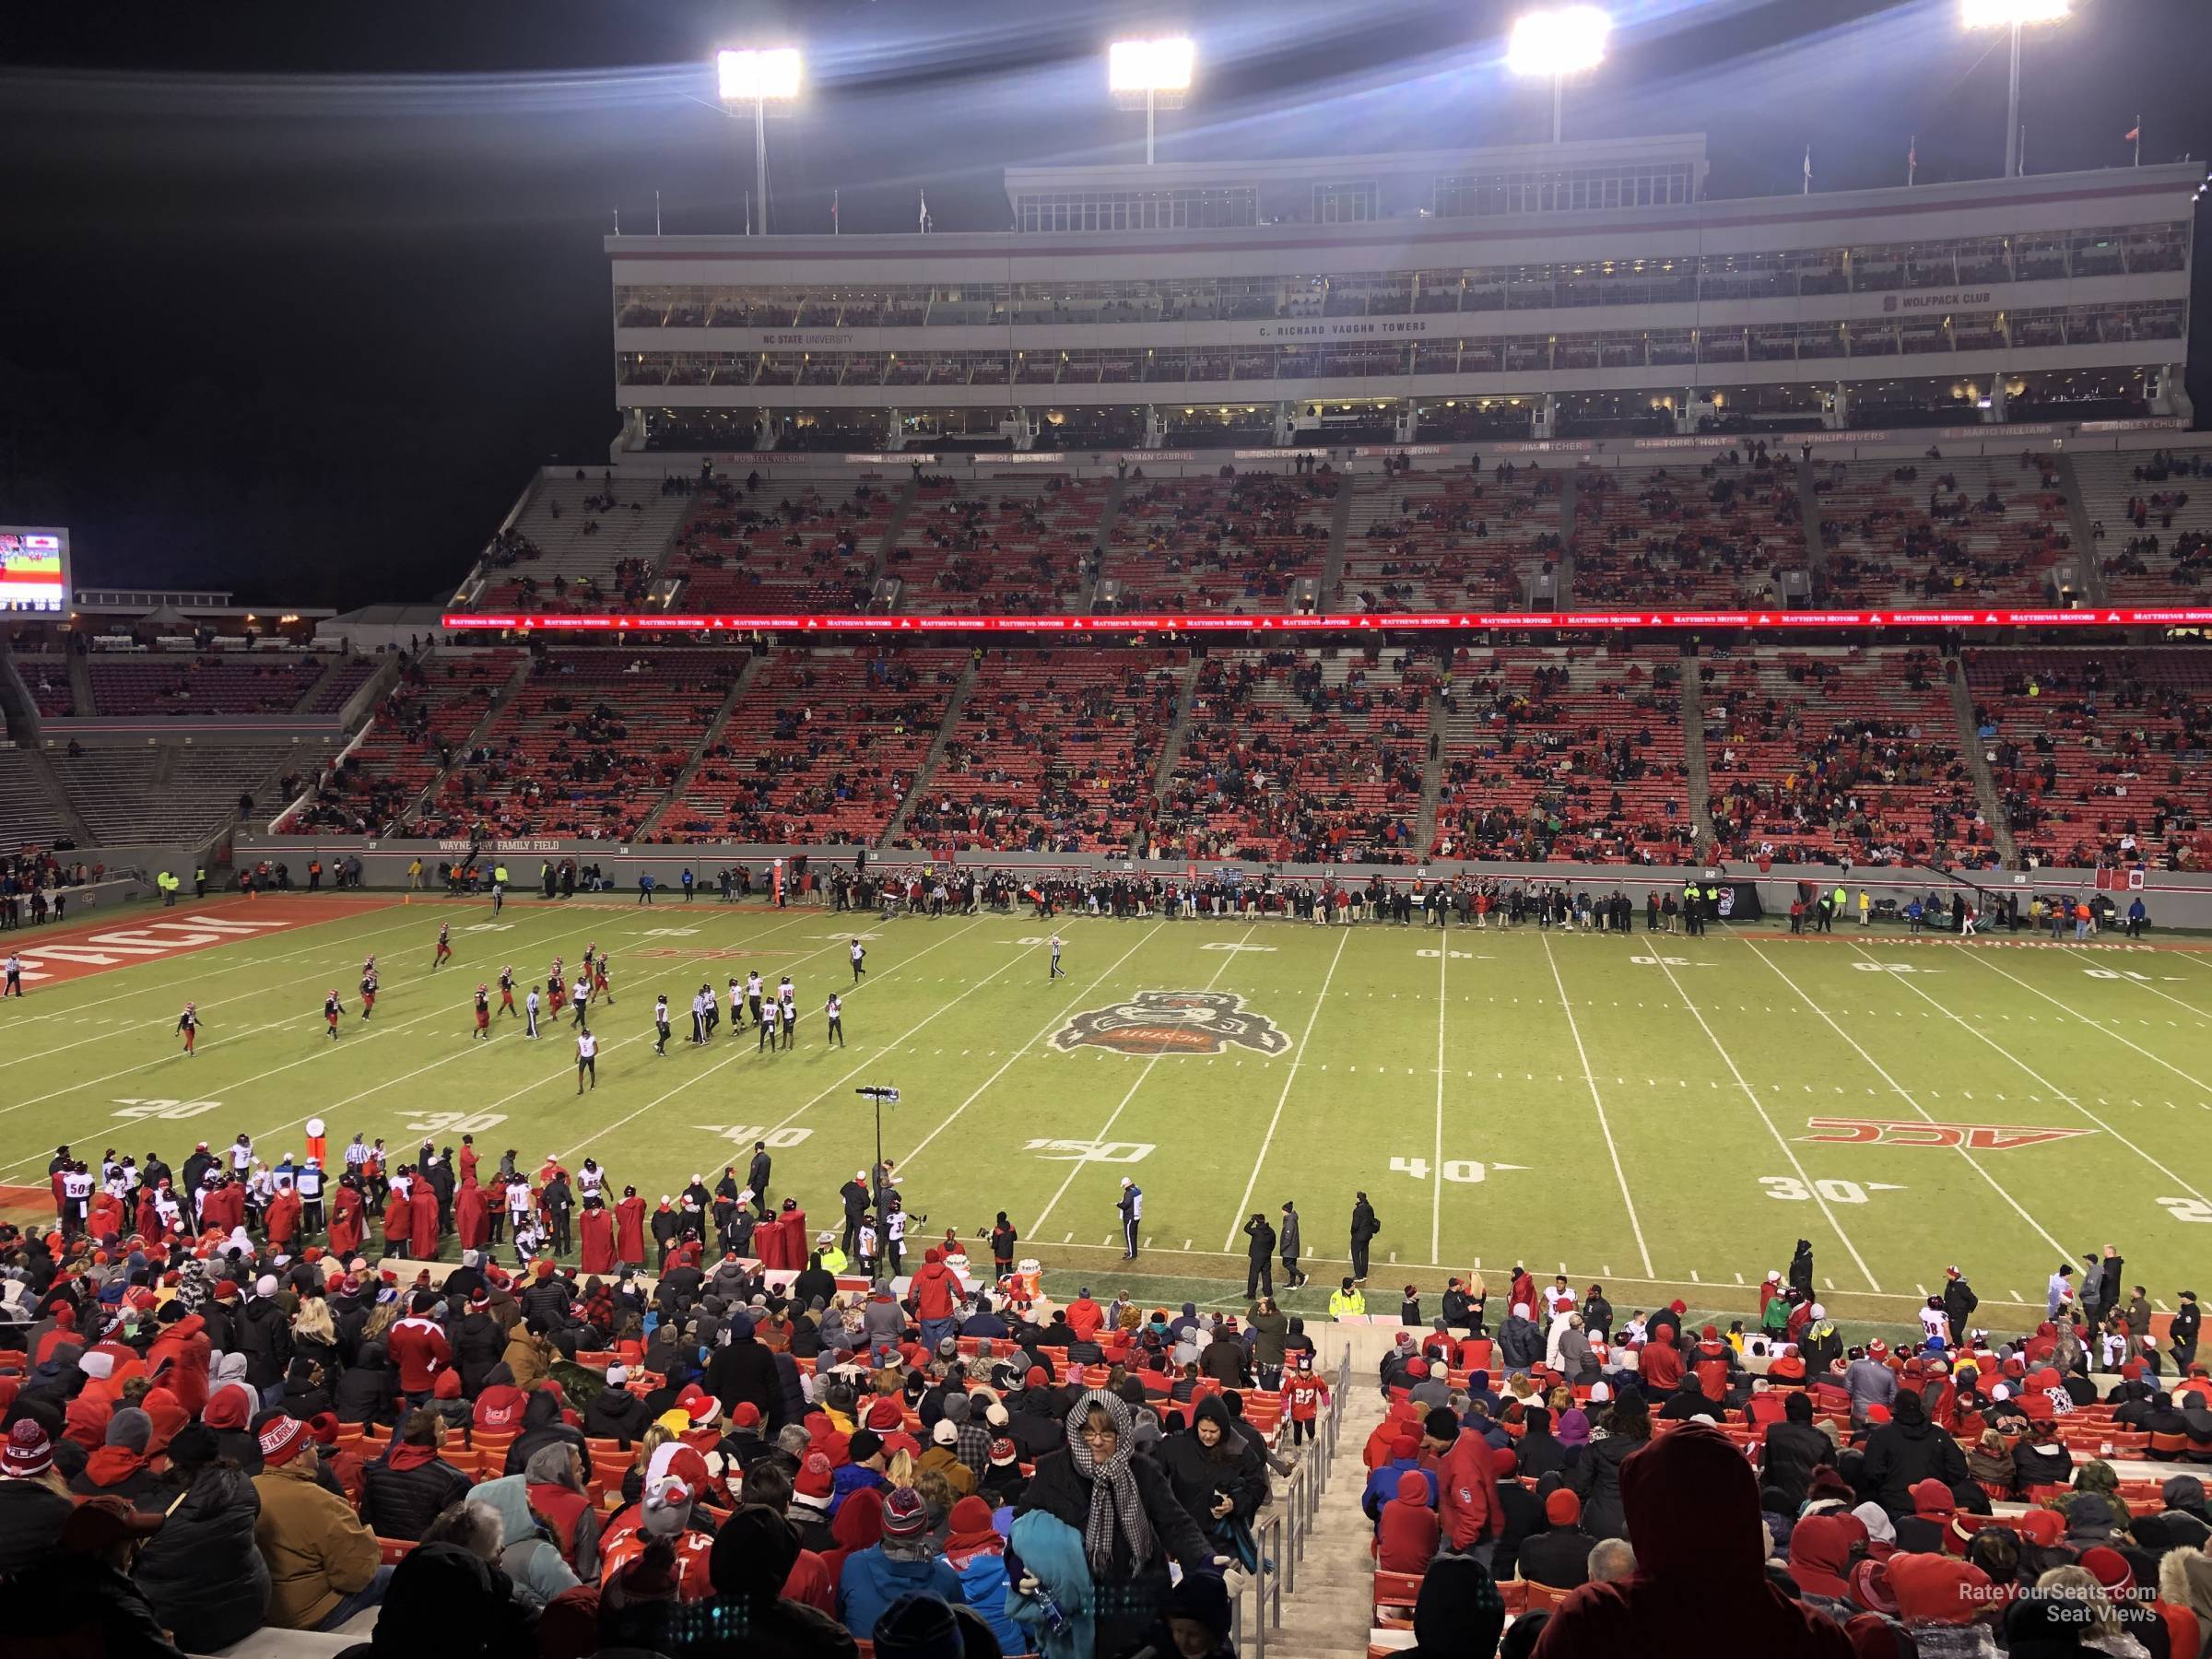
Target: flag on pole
x=2135 y=136
x=1912 y=158
x=1809 y=171
x=833 y=226
x=656 y=213
x=924 y=212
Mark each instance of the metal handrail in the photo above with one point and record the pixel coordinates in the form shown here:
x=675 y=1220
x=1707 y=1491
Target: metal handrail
x=1290 y=1524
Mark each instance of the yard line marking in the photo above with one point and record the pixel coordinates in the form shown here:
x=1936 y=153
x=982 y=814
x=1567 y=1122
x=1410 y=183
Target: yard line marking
x=1076 y=1167
x=1907 y=1095
x=2061 y=1094
x=1290 y=1077
x=1597 y=1100
x=2095 y=1025
x=1050 y=1026
x=1436 y=1198
x=791 y=1115
x=2142 y=985
x=1781 y=1140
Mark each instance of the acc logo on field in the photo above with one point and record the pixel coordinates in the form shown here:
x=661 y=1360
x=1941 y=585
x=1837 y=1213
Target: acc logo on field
x=1173 y=1022
x=1913 y=1132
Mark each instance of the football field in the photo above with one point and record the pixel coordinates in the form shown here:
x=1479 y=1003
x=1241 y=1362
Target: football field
x=1665 y=1114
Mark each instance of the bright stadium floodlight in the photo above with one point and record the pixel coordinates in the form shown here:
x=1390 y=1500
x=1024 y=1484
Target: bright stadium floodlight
x=1554 y=44
x=769 y=80
x=1155 y=74
x=2014 y=14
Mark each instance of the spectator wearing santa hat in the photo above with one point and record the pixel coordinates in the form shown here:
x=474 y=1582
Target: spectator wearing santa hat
x=812 y=1494
x=1002 y=1481
x=322 y=1561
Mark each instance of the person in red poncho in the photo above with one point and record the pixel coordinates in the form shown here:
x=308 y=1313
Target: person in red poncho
x=282 y=1220
x=470 y=1217
x=595 y=1233
x=399 y=1218
x=630 y=1229
x=104 y=1218
x=1701 y=1586
x=422 y=1236
x=224 y=1208
x=1407 y=1536
x=148 y=1222
x=345 y=1221
x=179 y=1357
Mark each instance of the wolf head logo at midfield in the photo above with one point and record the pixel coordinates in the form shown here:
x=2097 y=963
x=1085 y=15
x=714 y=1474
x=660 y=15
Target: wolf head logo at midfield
x=1173 y=1022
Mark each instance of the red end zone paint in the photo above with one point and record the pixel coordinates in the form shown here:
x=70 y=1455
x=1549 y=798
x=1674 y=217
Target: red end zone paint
x=53 y=955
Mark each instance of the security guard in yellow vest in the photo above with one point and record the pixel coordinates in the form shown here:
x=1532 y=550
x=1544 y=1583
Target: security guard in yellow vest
x=1346 y=1302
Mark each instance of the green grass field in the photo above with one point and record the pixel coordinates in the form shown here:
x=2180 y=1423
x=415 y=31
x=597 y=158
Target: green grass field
x=1665 y=1115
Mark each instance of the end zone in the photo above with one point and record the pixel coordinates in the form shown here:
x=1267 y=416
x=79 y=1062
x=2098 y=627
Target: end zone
x=54 y=956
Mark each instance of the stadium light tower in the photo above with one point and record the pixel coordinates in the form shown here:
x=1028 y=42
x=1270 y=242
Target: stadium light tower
x=1564 y=40
x=1151 y=76
x=2014 y=14
x=769 y=80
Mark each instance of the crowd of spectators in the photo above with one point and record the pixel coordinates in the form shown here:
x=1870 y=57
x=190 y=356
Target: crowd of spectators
x=2098 y=757
x=1552 y=753
x=1978 y=531
x=1815 y=757
x=1236 y=542
x=1712 y=538
x=224 y=1413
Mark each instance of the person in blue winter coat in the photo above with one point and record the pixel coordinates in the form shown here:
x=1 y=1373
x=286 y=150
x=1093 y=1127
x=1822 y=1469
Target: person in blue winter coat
x=904 y=1563
x=978 y=1555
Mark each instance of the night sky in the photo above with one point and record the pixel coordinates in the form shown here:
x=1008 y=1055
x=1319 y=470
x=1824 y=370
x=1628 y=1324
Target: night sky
x=294 y=296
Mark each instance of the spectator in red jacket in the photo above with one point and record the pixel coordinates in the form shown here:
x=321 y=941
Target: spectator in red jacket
x=1466 y=1503
x=1659 y=1362
x=1701 y=1586
x=1408 y=1534
x=935 y=1294
x=417 y=1348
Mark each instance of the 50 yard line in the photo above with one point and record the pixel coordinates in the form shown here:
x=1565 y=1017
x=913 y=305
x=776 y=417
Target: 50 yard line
x=1436 y=1168
x=1267 y=1140
x=1076 y=1169
x=1597 y=1100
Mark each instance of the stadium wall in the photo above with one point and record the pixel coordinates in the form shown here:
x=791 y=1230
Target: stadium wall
x=2174 y=899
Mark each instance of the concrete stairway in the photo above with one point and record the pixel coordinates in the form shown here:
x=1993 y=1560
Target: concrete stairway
x=500 y=699
x=1976 y=753
x=707 y=740
x=893 y=528
x=1696 y=768
x=2086 y=556
x=1328 y=1615
x=1432 y=774
x=1340 y=526
x=935 y=759
x=1095 y=560
x=1171 y=751
x=1815 y=549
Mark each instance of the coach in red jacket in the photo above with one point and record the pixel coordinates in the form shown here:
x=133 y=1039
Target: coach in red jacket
x=1466 y=1503
x=417 y=1346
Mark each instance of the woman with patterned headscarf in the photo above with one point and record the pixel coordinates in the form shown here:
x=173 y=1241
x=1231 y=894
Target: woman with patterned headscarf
x=1123 y=1511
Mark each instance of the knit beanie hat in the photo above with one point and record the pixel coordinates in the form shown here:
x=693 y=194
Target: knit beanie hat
x=905 y=1516
x=29 y=1451
x=919 y=1627
x=131 y=1428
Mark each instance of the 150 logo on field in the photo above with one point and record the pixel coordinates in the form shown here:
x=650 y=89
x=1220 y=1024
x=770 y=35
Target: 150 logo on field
x=1918 y=1132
